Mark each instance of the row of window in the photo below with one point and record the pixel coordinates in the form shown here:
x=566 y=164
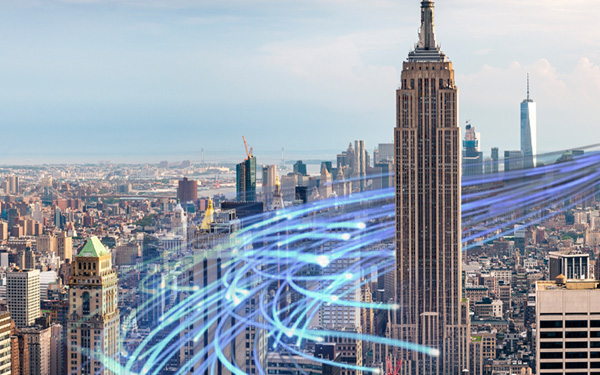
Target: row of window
x=568 y=365
x=569 y=324
x=569 y=345
x=569 y=335
x=559 y=355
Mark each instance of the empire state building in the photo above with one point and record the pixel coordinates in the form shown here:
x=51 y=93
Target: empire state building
x=428 y=223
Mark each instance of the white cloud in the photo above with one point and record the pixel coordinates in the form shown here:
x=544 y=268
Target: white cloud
x=335 y=72
x=482 y=51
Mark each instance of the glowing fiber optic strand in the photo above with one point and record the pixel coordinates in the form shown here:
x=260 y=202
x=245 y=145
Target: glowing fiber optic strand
x=292 y=253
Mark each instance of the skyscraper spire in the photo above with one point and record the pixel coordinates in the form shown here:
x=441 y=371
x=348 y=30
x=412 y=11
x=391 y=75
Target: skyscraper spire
x=528 y=130
x=427 y=33
x=427 y=48
x=527 y=86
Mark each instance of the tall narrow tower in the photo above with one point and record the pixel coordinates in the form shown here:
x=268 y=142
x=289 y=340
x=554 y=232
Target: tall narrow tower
x=246 y=180
x=93 y=322
x=528 y=130
x=428 y=225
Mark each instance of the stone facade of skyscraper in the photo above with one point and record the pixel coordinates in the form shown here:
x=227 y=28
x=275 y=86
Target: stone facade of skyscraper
x=65 y=246
x=5 y=347
x=277 y=198
x=528 y=130
x=428 y=222
x=325 y=184
x=38 y=342
x=93 y=322
x=360 y=165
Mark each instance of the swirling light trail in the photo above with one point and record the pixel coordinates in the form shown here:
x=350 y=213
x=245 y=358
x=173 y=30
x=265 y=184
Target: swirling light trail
x=292 y=251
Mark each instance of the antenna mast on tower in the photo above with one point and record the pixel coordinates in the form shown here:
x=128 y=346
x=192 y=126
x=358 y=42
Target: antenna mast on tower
x=527 y=86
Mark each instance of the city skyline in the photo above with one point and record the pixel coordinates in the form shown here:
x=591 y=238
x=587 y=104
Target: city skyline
x=182 y=65
x=167 y=245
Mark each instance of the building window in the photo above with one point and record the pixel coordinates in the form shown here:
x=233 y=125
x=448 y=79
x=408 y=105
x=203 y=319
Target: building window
x=576 y=355
x=576 y=324
x=551 y=324
x=86 y=303
x=551 y=335
x=576 y=335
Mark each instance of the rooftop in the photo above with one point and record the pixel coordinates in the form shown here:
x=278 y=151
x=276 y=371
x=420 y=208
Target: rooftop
x=569 y=284
x=93 y=248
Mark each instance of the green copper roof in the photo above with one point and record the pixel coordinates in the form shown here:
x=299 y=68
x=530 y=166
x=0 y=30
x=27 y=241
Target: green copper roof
x=93 y=248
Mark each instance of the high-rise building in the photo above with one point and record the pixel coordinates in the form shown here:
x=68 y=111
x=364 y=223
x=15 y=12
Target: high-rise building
x=350 y=349
x=59 y=218
x=351 y=158
x=127 y=254
x=300 y=167
x=269 y=177
x=3 y=230
x=472 y=157
x=528 y=130
x=277 y=200
x=179 y=222
x=93 y=324
x=360 y=164
x=288 y=187
x=56 y=349
x=573 y=265
x=37 y=212
x=187 y=190
x=341 y=160
x=385 y=152
x=340 y=316
x=154 y=305
x=20 y=361
x=11 y=185
x=65 y=246
x=428 y=221
x=38 y=342
x=481 y=348
x=209 y=267
x=23 y=294
x=5 y=347
x=340 y=186
x=383 y=176
x=567 y=316
x=328 y=165
x=513 y=160
x=246 y=180
x=15 y=360
x=495 y=159
x=325 y=184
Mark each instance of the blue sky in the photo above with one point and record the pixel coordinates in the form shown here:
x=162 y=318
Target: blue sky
x=145 y=80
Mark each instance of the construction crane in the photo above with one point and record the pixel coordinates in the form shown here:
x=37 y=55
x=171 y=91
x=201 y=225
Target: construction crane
x=249 y=154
